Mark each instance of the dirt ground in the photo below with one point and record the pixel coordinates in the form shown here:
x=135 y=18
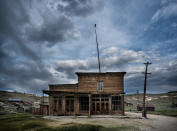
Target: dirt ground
x=152 y=123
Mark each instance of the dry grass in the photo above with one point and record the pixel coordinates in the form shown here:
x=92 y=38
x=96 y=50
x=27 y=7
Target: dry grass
x=25 y=122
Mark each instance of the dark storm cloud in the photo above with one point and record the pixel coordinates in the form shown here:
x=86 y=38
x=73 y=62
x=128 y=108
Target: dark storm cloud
x=13 y=18
x=11 y=23
x=24 y=75
x=167 y=76
x=79 y=7
x=60 y=28
x=21 y=67
x=162 y=80
x=51 y=31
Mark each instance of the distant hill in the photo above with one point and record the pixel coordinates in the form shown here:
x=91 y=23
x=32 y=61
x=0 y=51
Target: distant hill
x=4 y=96
x=149 y=97
x=161 y=102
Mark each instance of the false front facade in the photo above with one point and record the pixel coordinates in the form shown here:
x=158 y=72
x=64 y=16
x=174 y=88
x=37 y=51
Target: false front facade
x=94 y=94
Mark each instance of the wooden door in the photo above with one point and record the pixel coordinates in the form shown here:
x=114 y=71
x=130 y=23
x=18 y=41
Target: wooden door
x=69 y=105
x=100 y=104
x=96 y=108
x=104 y=107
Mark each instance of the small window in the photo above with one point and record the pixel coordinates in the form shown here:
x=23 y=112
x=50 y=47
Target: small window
x=100 y=86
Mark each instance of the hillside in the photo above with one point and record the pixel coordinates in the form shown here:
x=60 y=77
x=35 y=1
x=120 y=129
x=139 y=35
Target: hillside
x=4 y=96
x=161 y=102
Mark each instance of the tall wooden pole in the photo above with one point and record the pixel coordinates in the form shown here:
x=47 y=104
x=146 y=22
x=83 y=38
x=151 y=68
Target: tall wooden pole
x=138 y=96
x=98 y=51
x=144 y=96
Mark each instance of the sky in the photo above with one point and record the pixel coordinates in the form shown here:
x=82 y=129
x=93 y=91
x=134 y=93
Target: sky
x=46 y=41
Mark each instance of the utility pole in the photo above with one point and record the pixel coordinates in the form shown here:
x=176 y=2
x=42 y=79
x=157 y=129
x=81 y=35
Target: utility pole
x=98 y=51
x=137 y=91
x=144 y=96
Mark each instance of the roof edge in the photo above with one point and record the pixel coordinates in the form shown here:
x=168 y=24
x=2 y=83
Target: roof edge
x=97 y=73
x=60 y=85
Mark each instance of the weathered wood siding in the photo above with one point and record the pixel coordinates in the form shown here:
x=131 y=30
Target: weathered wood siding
x=111 y=83
x=63 y=87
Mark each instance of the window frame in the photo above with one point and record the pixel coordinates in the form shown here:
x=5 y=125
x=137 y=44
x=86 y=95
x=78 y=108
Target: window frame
x=57 y=101
x=84 y=103
x=116 y=103
x=100 y=85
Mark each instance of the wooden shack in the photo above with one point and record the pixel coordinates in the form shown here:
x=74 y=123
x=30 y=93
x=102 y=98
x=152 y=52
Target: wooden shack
x=173 y=97
x=44 y=109
x=149 y=107
x=94 y=94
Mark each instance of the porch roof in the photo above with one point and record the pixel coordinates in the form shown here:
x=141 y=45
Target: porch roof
x=67 y=92
x=63 y=92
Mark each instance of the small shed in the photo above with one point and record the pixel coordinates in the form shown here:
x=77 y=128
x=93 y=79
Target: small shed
x=44 y=108
x=20 y=109
x=14 y=100
x=173 y=97
x=149 y=107
x=1 y=108
x=128 y=103
x=36 y=108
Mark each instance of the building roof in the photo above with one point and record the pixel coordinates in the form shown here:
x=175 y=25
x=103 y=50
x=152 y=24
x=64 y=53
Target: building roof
x=14 y=100
x=65 y=92
x=62 y=85
x=102 y=73
x=73 y=92
x=147 y=105
x=172 y=92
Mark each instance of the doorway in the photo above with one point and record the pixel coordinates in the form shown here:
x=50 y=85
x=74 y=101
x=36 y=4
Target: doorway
x=69 y=105
x=100 y=104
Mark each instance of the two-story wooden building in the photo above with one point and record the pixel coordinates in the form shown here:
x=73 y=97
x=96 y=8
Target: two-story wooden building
x=95 y=93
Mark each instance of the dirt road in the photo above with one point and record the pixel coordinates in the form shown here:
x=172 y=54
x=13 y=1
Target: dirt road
x=152 y=123
x=156 y=122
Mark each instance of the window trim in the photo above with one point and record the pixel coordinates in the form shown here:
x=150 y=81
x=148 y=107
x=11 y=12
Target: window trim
x=98 y=86
x=116 y=103
x=83 y=103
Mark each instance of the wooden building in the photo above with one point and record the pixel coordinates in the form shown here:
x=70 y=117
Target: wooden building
x=94 y=94
x=149 y=107
x=173 y=97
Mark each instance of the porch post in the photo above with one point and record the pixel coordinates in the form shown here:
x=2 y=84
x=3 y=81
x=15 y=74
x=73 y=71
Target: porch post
x=89 y=105
x=122 y=102
x=110 y=105
x=75 y=105
x=49 y=104
x=63 y=104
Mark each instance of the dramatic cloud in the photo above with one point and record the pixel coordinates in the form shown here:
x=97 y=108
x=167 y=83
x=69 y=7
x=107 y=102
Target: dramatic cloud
x=46 y=42
x=11 y=25
x=79 y=7
x=51 y=31
x=111 y=59
x=162 y=78
x=22 y=25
